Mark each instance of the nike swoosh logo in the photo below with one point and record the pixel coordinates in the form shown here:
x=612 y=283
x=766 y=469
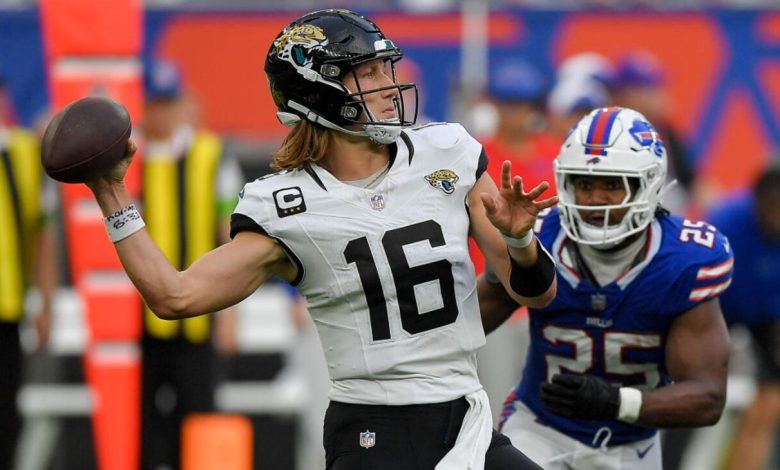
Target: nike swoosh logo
x=641 y=453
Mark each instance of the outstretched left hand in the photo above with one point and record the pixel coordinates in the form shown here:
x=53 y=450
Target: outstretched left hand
x=513 y=211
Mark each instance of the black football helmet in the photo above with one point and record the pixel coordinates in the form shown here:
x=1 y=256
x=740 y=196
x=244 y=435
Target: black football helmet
x=308 y=60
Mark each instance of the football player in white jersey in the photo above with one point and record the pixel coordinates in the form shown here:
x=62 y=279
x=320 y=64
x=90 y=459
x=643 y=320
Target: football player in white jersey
x=369 y=219
x=635 y=339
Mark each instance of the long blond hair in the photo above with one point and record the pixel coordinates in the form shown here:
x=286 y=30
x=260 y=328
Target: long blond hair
x=306 y=142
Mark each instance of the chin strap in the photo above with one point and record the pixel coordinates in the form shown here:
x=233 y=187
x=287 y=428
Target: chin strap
x=598 y=232
x=381 y=134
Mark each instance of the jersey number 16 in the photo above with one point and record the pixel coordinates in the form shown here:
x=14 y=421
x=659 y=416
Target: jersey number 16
x=405 y=278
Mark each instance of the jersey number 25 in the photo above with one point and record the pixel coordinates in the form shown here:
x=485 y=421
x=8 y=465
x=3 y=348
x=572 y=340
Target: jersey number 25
x=615 y=344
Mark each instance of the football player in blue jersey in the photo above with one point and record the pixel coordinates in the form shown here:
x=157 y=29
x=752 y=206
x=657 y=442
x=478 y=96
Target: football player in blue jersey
x=635 y=339
x=369 y=218
x=752 y=223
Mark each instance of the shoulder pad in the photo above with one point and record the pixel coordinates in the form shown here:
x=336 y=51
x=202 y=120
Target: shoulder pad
x=442 y=135
x=707 y=254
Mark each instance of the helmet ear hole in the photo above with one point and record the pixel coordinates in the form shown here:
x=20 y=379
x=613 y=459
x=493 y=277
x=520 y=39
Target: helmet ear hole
x=350 y=112
x=330 y=71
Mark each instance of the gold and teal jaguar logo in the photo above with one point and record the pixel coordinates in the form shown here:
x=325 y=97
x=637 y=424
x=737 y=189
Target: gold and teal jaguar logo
x=295 y=44
x=443 y=179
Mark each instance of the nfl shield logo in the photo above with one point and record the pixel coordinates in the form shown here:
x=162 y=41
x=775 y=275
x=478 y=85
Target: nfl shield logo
x=367 y=439
x=377 y=202
x=598 y=302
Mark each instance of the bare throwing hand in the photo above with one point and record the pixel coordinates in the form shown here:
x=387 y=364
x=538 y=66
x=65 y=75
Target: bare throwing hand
x=117 y=174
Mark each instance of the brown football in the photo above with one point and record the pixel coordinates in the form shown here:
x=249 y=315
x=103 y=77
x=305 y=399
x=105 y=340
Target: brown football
x=85 y=140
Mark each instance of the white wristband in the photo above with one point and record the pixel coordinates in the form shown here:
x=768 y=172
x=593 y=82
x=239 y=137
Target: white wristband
x=519 y=242
x=630 y=404
x=123 y=223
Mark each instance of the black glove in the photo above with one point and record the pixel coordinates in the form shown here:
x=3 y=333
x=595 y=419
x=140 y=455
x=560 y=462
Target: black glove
x=581 y=397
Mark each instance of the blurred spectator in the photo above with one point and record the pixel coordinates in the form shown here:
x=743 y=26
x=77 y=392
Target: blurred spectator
x=751 y=222
x=190 y=187
x=585 y=67
x=570 y=100
x=640 y=85
x=582 y=83
x=517 y=90
x=26 y=258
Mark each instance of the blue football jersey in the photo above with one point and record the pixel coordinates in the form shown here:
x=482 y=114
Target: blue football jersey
x=754 y=297
x=619 y=331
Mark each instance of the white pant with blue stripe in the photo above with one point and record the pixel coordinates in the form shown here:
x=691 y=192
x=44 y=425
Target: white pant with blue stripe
x=553 y=450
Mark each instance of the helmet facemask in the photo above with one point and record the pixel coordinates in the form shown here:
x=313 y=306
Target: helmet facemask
x=357 y=112
x=631 y=151
x=638 y=203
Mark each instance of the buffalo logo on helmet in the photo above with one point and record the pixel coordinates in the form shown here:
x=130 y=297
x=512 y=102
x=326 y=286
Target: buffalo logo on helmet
x=295 y=43
x=645 y=135
x=443 y=179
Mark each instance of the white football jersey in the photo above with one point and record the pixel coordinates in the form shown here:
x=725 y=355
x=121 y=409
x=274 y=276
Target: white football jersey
x=386 y=271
